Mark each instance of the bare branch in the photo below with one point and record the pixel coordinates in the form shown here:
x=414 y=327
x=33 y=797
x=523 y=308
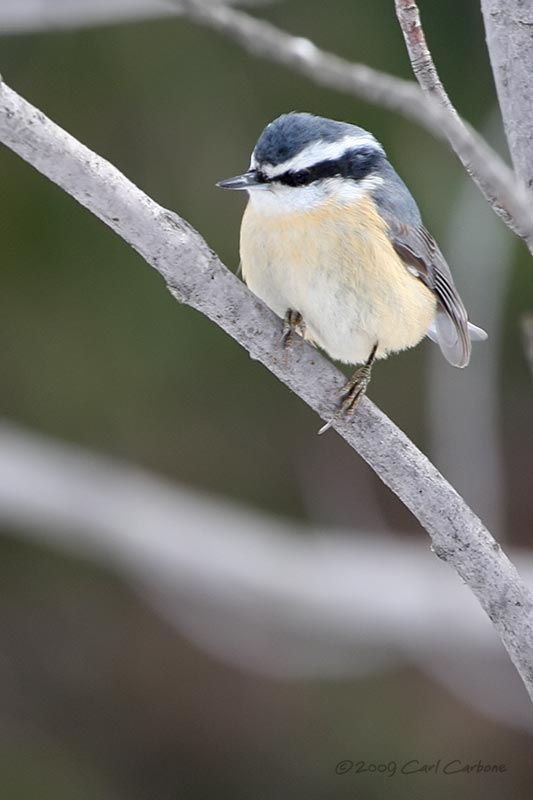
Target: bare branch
x=509 y=29
x=421 y=60
x=195 y=276
x=427 y=76
x=25 y=16
x=497 y=182
x=211 y=560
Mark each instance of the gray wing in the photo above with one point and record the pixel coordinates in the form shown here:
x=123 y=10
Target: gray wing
x=422 y=257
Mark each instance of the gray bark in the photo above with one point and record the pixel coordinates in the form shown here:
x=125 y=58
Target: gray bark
x=509 y=31
x=26 y=16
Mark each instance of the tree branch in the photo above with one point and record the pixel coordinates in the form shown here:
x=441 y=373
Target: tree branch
x=263 y=576
x=195 y=276
x=509 y=29
x=24 y=16
x=421 y=60
x=427 y=76
x=496 y=181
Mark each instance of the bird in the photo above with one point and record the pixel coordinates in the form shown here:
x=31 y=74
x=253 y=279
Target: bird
x=333 y=242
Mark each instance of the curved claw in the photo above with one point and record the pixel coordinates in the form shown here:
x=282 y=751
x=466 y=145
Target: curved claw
x=327 y=426
x=353 y=391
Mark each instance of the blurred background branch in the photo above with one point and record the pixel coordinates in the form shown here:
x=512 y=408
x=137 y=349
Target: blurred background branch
x=497 y=182
x=262 y=594
x=223 y=560
x=28 y=16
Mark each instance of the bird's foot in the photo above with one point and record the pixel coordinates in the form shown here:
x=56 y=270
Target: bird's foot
x=353 y=391
x=293 y=325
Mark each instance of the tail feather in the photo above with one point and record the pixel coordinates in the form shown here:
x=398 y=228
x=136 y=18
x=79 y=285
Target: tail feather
x=477 y=334
x=455 y=350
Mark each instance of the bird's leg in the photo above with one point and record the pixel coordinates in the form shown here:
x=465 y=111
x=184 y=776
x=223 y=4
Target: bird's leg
x=292 y=324
x=354 y=390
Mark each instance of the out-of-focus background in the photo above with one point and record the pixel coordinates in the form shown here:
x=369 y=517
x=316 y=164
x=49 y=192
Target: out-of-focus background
x=199 y=595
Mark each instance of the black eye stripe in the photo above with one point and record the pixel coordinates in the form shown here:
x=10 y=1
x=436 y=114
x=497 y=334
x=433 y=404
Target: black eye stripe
x=354 y=164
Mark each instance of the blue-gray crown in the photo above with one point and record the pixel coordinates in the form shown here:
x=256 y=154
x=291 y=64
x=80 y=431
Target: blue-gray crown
x=289 y=134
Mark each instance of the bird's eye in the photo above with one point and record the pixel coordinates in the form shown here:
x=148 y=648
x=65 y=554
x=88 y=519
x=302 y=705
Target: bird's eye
x=302 y=176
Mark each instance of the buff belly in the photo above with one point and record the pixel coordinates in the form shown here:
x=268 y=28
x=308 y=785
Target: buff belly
x=341 y=273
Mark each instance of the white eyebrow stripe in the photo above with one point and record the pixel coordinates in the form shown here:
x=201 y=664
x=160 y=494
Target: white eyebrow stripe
x=319 y=151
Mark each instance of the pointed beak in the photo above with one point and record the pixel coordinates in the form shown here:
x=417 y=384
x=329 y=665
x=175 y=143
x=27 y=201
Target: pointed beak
x=242 y=181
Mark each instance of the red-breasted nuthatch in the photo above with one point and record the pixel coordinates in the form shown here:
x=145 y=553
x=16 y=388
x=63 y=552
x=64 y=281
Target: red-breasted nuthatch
x=333 y=242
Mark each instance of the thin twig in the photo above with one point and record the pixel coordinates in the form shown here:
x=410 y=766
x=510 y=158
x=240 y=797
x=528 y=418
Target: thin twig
x=496 y=181
x=196 y=276
x=421 y=59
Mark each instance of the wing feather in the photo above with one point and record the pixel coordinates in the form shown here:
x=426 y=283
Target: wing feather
x=421 y=256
